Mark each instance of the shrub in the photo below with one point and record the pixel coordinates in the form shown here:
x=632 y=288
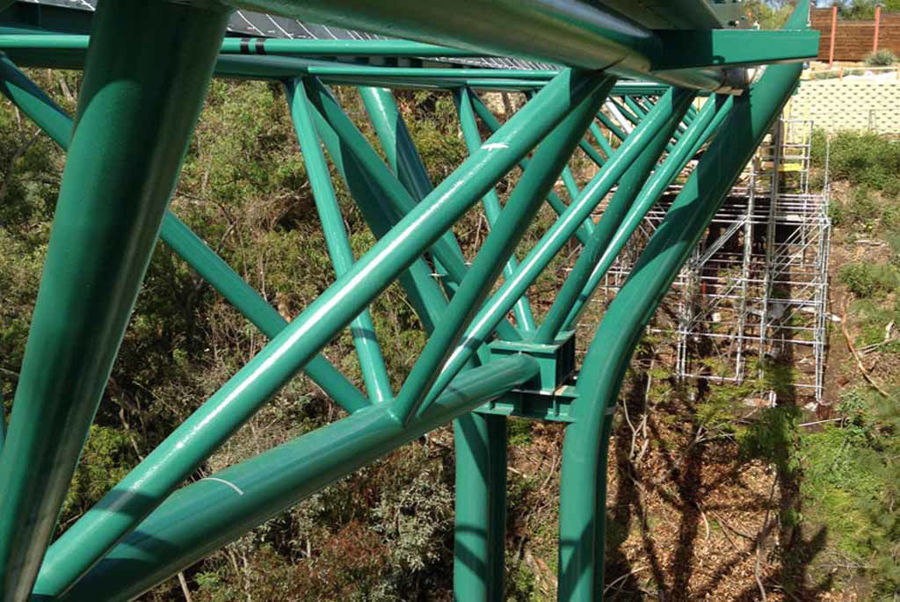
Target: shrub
x=881 y=58
x=868 y=280
x=861 y=158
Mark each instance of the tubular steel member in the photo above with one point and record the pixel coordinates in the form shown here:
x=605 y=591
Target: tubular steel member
x=53 y=120
x=509 y=228
x=552 y=198
x=480 y=441
x=583 y=486
x=491 y=202
x=136 y=114
x=663 y=116
x=362 y=329
x=567 y=32
x=211 y=512
x=424 y=293
x=196 y=438
x=142 y=99
x=377 y=189
x=709 y=120
x=628 y=188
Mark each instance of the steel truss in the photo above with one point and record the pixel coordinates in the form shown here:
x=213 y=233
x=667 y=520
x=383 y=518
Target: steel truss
x=147 y=67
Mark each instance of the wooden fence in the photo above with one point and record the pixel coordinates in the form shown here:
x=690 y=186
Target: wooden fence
x=854 y=40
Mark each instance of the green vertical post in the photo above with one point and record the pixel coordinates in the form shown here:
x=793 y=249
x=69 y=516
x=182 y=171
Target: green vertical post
x=145 y=79
x=491 y=202
x=480 y=507
x=583 y=486
x=362 y=328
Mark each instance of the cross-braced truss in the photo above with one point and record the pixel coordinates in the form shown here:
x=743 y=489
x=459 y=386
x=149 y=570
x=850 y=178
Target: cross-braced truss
x=147 y=66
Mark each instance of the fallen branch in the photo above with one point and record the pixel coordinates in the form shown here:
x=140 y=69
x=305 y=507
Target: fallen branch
x=858 y=359
x=623 y=577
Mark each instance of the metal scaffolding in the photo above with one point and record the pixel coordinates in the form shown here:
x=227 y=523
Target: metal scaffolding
x=753 y=294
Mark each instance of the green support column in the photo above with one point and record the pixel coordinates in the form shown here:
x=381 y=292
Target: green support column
x=583 y=486
x=145 y=80
x=51 y=118
x=480 y=520
x=362 y=328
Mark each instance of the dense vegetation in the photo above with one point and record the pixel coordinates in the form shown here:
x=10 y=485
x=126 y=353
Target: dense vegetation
x=708 y=498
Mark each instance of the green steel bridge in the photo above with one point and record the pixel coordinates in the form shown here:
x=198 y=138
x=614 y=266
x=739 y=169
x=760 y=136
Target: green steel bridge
x=680 y=74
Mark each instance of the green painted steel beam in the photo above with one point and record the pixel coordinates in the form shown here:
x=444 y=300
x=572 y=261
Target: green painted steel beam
x=209 y=513
x=403 y=157
x=53 y=121
x=669 y=14
x=708 y=121
x=145 y=81
x=491 y=201
x=424 y=294
x=395 y=198
x=553 y=199
x=596 y=259
x=583 y=486
x=509 y=228
x=362 y=328
x=628 y=188
x=219 y=417
x=565 y=32
x=254 y=45
x=561 y=231
x=735 y=47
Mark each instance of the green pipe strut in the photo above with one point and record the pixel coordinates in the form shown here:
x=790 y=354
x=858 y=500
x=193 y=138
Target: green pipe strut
x=213 y=511
x=51 y=118
x=213 y=422
x=362 y=328
x=583 y=485
x=146 y=77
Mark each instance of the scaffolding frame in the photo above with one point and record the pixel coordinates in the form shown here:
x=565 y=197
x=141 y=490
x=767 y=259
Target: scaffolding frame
x=755 y=291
